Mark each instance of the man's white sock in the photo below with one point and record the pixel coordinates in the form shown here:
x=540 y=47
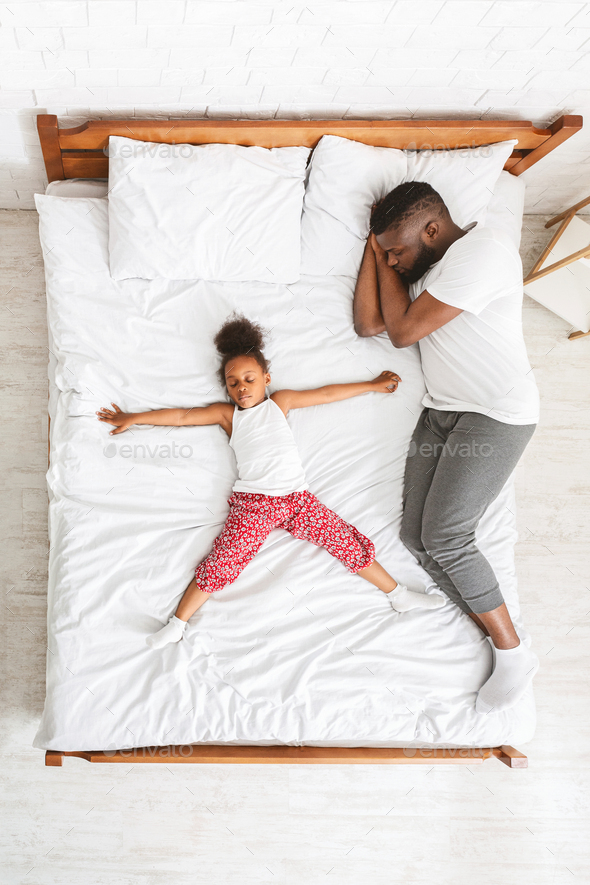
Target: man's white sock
x=513 y=673
x=172 y=632
x=403 y=600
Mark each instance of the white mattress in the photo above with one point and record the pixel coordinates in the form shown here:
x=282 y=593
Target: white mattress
x=296 y=651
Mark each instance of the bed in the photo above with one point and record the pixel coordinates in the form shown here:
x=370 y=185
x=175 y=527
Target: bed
x=297 y=661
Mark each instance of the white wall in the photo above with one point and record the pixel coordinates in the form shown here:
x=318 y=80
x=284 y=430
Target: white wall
x=91 y=59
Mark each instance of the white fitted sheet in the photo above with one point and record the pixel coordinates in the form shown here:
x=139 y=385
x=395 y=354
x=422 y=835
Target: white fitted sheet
x=296 y=651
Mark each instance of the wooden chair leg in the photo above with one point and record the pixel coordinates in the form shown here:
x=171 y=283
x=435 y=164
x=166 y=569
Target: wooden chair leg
x=571 y=211
x=563 y=262
x=547 y=250
x=575 y=335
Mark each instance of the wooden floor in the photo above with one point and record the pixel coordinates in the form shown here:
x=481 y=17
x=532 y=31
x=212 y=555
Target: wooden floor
x=132 y=824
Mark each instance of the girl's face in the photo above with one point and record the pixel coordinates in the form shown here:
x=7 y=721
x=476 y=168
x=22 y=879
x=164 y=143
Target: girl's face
x=246 y=382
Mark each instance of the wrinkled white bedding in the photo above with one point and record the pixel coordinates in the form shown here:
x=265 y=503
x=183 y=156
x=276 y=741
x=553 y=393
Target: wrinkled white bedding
x=296 y=650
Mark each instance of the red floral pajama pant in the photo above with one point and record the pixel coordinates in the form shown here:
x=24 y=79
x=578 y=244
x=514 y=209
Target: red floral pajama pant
x=252 y=518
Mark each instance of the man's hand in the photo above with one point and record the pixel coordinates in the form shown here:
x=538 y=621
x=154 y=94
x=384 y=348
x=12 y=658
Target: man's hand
x=121 y=420
x=386 y=382
x=380 y=253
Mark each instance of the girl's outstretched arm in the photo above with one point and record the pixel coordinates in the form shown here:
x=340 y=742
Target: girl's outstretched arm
x=386 y=382
x=217 y=413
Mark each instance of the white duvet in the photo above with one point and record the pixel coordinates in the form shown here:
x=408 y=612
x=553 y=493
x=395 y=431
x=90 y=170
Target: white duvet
x=296 y=651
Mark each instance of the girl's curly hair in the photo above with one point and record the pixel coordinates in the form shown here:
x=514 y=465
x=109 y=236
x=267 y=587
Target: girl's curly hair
x=239 y=336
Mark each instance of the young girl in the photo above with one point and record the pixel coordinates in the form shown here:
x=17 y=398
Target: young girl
x=271 y=491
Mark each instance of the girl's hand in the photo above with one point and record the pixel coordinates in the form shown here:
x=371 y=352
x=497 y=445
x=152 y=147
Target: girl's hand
x=121 y=420
x=386 y=382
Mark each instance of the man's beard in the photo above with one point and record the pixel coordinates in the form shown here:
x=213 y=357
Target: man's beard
x=425 y=258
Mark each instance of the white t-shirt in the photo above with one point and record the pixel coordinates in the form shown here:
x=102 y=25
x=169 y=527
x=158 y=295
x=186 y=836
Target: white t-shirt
x=266 y=452
x=478 y=361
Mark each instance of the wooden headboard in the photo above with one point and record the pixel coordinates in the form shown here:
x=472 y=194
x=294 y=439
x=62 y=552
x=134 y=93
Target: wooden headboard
x=80 y=152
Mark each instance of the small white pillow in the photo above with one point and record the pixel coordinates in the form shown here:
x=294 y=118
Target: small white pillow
x=347 y=177
x=77 y=187
x=209 y=212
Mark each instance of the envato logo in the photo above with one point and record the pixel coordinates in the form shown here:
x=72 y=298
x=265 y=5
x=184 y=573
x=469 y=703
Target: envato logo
x=140 y=149
x=185 y=151
x=139 y=450
x=474 y=151
x=447 y=753
x=471 y=449
x=172 y=751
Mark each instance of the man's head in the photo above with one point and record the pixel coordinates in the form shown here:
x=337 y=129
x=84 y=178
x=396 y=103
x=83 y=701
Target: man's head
x=413 y=225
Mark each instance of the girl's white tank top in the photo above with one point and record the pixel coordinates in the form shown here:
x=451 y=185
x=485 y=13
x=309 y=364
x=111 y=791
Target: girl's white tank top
x=267 y=456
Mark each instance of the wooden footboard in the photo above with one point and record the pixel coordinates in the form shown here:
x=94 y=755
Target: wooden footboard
x=282 y=755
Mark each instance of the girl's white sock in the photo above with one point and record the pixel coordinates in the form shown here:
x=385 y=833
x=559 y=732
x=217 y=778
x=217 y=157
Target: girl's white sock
x=172 y=632
x=403 y=600
x=513 y=673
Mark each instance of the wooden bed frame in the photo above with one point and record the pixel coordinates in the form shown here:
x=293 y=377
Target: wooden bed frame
x=81 y=153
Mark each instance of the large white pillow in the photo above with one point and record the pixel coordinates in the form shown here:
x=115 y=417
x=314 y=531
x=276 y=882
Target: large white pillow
x=465 y=178
x=209 y=212
x=347 y=177
x=506 y=208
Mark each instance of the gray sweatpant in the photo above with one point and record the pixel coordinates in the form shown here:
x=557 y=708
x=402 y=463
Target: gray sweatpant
x=457 y=465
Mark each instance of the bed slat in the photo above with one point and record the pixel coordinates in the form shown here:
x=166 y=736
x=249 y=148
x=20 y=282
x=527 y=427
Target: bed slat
x=85 y=164
x=413 y=134
x=94 y=164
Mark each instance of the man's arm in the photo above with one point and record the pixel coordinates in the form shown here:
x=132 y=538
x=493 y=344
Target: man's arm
x=368 y=319
x=407 y=321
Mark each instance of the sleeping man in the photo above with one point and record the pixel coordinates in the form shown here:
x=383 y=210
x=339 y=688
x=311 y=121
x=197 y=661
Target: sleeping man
x=458 y=293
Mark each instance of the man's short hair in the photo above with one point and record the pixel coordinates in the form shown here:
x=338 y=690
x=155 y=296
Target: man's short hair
x=403 y=202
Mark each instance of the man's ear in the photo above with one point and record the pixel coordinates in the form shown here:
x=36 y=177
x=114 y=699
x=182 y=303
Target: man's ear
x=432 y=230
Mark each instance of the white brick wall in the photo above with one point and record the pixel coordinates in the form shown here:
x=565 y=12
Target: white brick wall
x=257 y=59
